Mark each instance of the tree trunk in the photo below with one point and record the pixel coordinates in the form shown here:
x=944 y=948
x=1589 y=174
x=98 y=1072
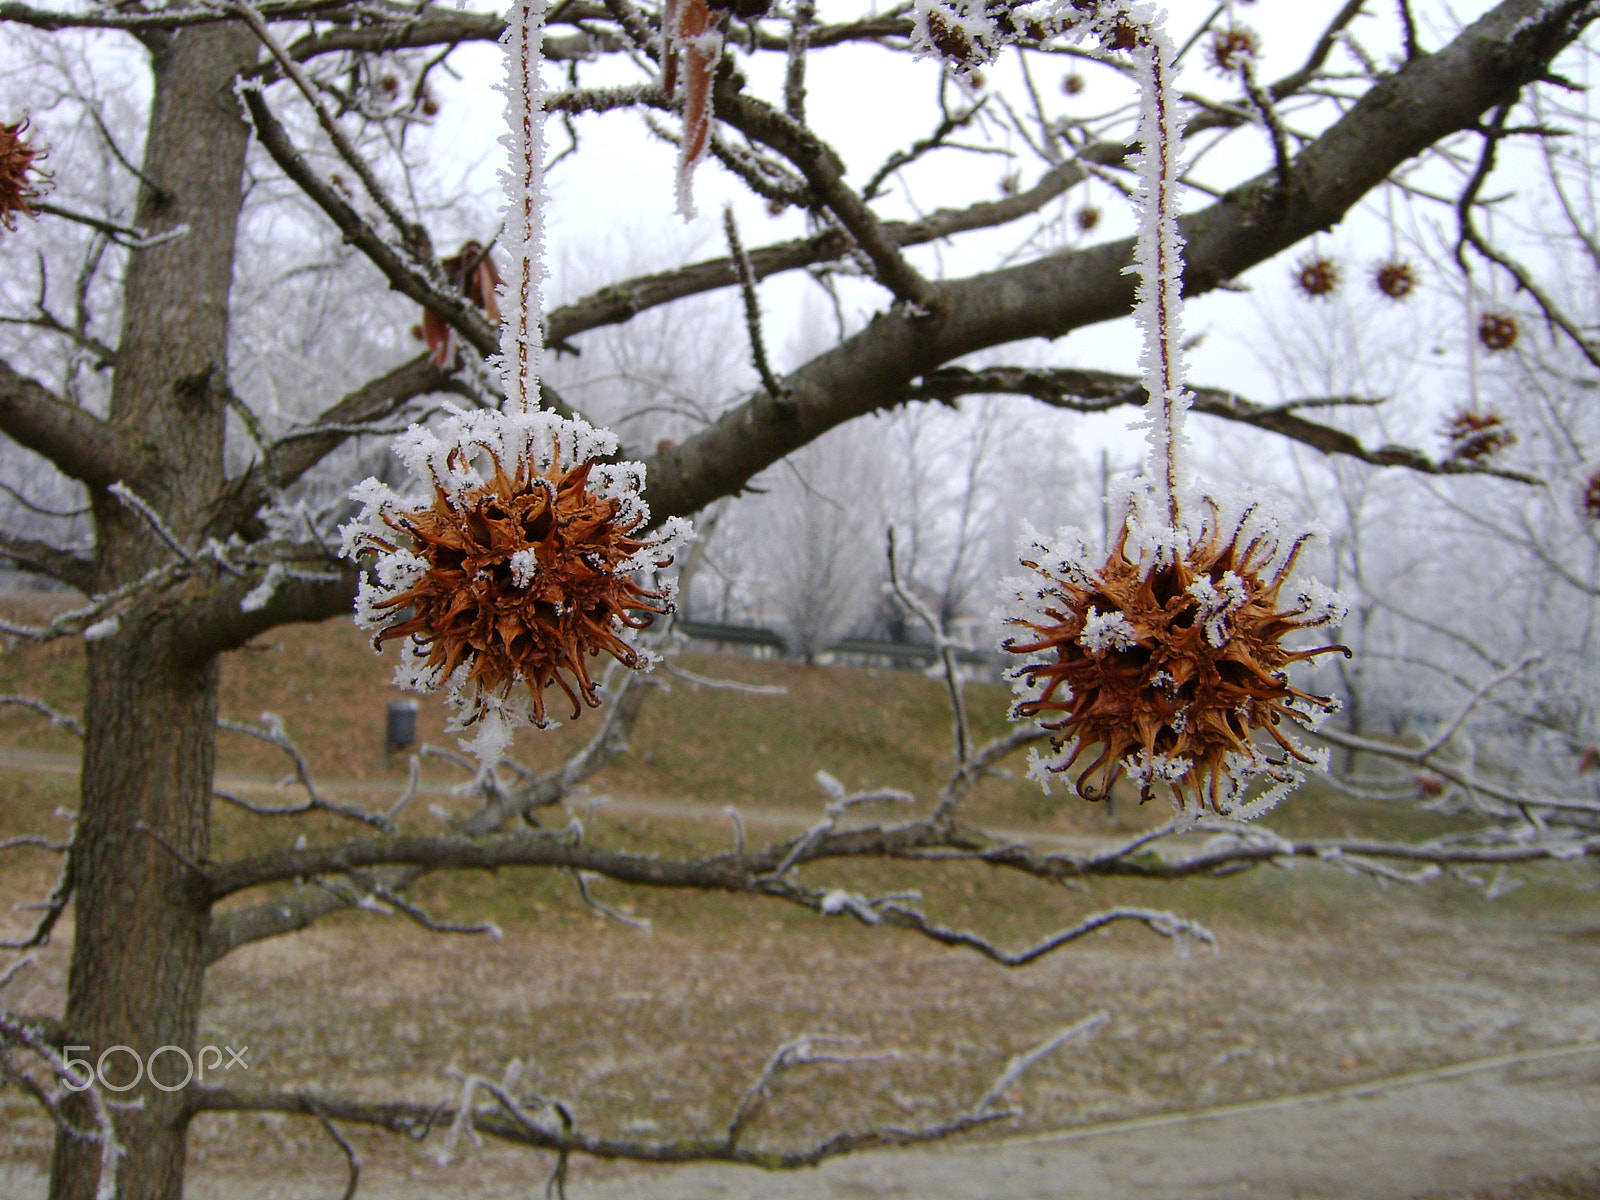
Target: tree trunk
x=137 y=973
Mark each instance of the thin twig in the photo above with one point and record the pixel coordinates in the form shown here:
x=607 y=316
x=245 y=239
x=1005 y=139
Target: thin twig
x=752 y=306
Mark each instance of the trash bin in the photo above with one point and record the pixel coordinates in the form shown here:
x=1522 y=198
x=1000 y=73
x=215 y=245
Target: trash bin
x=400 y=732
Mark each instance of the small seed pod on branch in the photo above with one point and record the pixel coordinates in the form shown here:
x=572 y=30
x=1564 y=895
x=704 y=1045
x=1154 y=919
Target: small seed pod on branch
x=1589 y=500
x=513 y=569
x=21 y=180
x=1497 y=331
x=961 y=32
x=1476 y=434
x=1231 y=49
x=1395 y=278
x=1087 y=218
x=1317 y=276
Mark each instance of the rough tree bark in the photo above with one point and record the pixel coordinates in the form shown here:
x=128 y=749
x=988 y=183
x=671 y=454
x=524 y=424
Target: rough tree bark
x=137 y=972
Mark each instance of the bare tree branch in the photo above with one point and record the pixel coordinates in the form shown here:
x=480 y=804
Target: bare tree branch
x=1098 y=391
x=81 y=445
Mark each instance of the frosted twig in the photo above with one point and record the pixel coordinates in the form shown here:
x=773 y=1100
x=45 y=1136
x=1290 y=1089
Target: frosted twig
x=1367 y=866
x=725 y=685
x=732 y=814
x=409 y=232
x=351 y=1158
x=134 y=503
x=104 y=1132
x=1167 y=924
x=34 y=841
x=799 y=1052
x=843 y=801
x=605 y=910
x=430 y=923
x=1452 y=726
x=1269 y=117
x=794 y=72
x=54 y=904
x=40 y=509
x=752 y=306
x=65 y=720
x=14 y=969
x=413 y=784
x=273 y=733
x=947 y=654
x=981 y=762
x=1020 y=1064
x=1181 y=823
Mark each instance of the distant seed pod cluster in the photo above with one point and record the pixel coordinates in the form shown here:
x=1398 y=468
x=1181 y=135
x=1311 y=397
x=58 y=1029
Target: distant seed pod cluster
x=1476 y=434
x=1497 y=331
x=1317 y=276
x=1394 y=278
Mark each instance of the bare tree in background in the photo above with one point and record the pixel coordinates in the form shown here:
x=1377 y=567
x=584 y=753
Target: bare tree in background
x=190 y=476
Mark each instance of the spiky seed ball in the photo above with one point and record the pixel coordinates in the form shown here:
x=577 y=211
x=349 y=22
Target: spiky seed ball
x=1497 y=331
x=1172 y=668
x=1010 y=184
x=1232 y=48
x=1072 y=84
x=1589 y=502
x=964 y=33
x=21 y=180
x=1087 y=218
x=517 y=568
x=1317 y=276
x=1395 y=278
x=1476 y=434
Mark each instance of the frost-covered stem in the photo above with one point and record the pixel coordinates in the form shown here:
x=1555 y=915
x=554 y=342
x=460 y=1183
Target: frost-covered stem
x=522 y=298
x=1158 y=261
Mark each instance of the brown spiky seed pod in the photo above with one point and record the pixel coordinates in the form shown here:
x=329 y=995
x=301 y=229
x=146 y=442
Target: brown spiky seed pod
x=1497 y=331
x=1317 y=276
x=1395 y=278
x=21 y=181
x=1477 y=434
x=1231 y=49
x=1087 y=218
x=1073 y=84
x=519 y=567
x=1171 y=670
